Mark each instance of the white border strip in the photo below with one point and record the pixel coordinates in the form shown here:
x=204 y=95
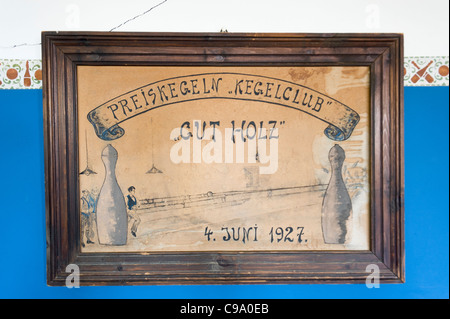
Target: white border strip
x=426 y=71
x=20 y=74
x=418 y=71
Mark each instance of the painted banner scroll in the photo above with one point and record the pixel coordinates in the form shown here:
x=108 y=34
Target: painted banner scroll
x=236 y=86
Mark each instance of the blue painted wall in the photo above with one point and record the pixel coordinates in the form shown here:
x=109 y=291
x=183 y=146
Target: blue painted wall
x=22 y=212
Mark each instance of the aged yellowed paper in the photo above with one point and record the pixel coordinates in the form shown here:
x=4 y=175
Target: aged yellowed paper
x=223 y=158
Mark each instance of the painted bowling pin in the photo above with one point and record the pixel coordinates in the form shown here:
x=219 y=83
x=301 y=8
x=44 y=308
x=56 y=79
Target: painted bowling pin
x=112 y=219
x=337 y=205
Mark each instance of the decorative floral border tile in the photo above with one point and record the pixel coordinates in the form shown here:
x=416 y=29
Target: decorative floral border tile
x=418 y=71
x=426 y=71
x=20 y=74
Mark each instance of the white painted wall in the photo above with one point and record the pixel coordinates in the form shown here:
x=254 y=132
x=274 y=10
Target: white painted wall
x=425 y=24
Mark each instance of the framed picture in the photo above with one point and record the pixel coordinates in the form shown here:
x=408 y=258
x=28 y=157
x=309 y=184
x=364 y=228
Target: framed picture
x=222 y=158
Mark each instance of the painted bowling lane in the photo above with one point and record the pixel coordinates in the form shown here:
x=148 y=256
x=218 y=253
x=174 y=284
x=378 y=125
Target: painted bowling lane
x=272 y=219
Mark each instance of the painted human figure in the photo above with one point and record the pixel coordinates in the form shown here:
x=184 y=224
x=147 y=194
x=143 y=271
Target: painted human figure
x=132 y=206
x=87 y=217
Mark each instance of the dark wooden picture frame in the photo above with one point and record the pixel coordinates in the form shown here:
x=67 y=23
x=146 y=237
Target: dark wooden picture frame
x=382 y=53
